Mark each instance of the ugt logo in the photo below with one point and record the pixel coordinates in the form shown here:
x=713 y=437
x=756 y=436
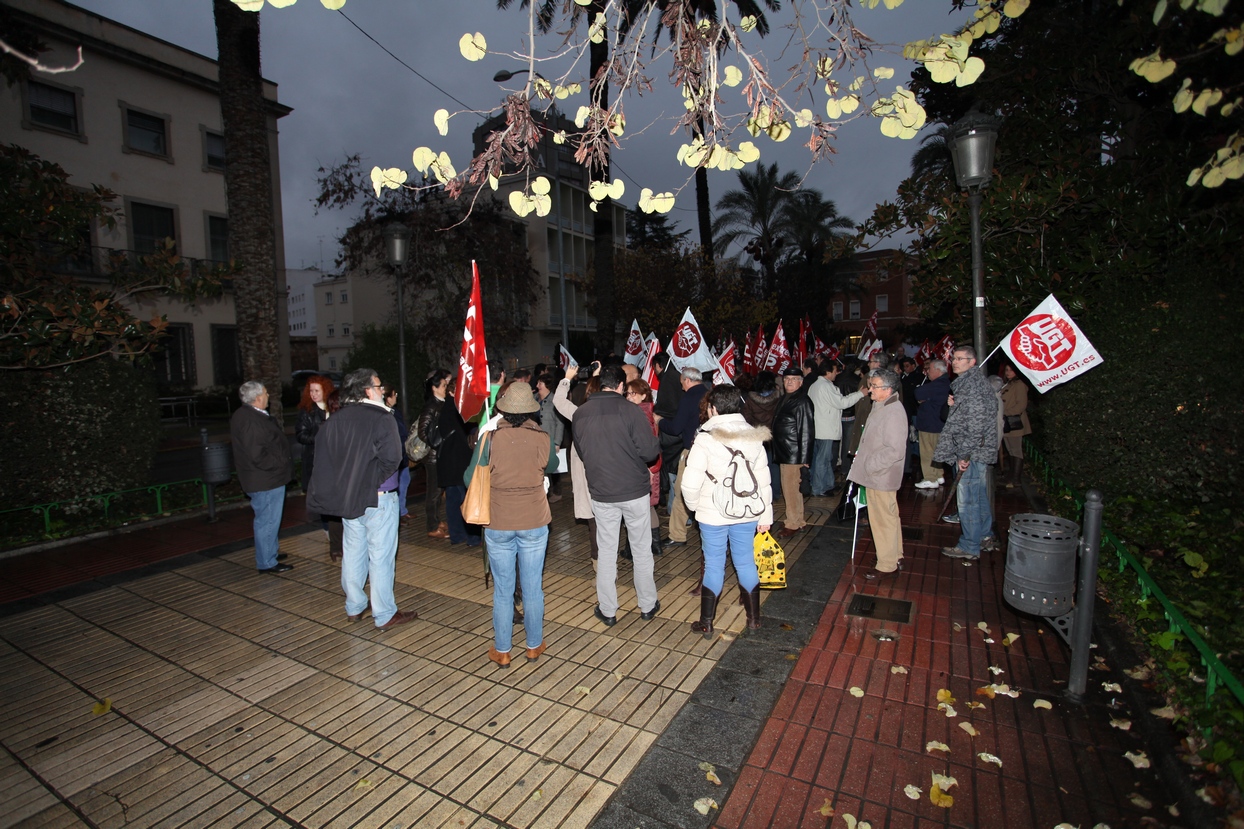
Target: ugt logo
x=686 y=340
x=634 y=343
x=1043 y=342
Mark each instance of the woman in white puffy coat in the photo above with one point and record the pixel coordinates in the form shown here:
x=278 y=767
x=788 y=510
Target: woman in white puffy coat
x=726 y=484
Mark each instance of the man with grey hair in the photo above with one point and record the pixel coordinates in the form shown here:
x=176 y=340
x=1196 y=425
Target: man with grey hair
x=265 y=466
x=685 y=423
x=970 y=441
x=931 y=399
x=357 y=455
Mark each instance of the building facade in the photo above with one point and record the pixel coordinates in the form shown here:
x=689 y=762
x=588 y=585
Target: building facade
x=880 y=282
x=142 y=118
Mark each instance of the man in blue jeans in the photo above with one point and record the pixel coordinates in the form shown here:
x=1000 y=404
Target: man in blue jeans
x=828 y=403
x=261 y=454
x=970 y=441
x=357 y=456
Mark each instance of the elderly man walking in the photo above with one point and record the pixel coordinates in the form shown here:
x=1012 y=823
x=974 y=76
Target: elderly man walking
x=616 y=445
x=879 y=467
x=931 y=396
x=793 y=433
x=970 y=441
x=357 y=456
x=265 y=466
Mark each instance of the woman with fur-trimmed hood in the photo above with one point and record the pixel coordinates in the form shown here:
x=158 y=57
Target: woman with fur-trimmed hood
x=726 y=484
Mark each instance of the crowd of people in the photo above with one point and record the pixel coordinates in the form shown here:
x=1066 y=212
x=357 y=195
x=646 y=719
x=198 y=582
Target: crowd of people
x=710 y=457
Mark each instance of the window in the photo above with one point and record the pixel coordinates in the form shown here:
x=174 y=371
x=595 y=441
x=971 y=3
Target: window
x=345 y=298
x=345 y=329
x=53 y=107
x=174 y=362
x=837 y=311
x=226 y=356
x=218 y=239
x=150 y=225
x=883 y=303
x=328 y=297
x=213 y=151
x=331 y=331
x=332 y=362
x=855 y=309
x=146 y=132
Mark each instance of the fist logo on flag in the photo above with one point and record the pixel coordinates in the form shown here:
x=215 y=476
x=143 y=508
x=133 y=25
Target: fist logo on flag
x=634 y=343
x=1043 y=342
x=686 y=340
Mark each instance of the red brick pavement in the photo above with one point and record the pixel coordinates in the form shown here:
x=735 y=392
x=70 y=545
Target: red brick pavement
x=848 y=733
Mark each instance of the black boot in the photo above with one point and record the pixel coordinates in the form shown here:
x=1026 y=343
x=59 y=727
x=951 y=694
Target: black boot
x=708 y=612
x=625 y=553
x=591 y=536
x=656 y=543
x=751 y=604
x=699 y=583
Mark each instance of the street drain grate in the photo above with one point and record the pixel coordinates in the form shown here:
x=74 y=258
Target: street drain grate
x=913 y=533
x=875 y=607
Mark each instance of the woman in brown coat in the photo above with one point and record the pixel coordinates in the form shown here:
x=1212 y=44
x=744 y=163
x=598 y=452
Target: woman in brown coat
x=1014 y=414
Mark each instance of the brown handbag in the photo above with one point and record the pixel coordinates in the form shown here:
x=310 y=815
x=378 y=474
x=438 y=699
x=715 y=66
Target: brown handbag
x=477 y=507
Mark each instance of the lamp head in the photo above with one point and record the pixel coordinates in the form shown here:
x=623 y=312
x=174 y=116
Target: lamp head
x=972 y=141
x=396 y=243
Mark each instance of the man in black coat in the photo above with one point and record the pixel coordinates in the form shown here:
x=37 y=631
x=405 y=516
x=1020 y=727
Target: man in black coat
x=683 y=425
x=261 y=454
x=793 y=433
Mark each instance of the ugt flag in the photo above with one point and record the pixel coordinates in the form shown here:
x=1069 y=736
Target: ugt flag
x=650 y=375
x=472 y=382
x=1049 y=348
x=778 y=357
x=634 y=346
x=727 y=359
x=688 y=348
x=564 y=358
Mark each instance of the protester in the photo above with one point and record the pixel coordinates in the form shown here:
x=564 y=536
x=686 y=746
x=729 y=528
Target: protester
x=553 y=425
x=793 y=433
x=358 y=453
x=970 y=441
x=879 y=467
x=640 y=393
x=828 y=404
x=1016 y=425
x=436 y=389
x=403 y=471
x=616 y=445
x=931 y=399
x=312 y=412
x=261 y=455
x=578 y=479
x=685 y=423
x=726 y=483
x=453 y=453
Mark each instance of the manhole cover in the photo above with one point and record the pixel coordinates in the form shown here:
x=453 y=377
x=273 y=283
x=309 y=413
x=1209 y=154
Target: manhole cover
x=884 y=610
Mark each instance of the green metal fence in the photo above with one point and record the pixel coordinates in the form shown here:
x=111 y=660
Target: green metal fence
x=1216 y=674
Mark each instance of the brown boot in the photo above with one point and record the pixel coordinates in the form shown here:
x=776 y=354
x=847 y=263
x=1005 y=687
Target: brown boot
x=750 y=599
x=699 y=583
x=441 y=531
x=708 y=612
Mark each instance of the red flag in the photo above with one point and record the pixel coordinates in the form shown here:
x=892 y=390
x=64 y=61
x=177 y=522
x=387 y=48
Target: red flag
x=472 y=382
x=870 y=329
x=924 y=354
x=801 y=347
x=650 y=365
x=762 y=351
x=832 y=353
x=728 y=359
x=748 y=367
x=945 y=348
x=819 y=349
x=778 y=357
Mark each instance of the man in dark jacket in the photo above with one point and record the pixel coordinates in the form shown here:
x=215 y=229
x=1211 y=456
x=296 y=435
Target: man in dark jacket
x=261 y=454
x=931 y=397
x=794 y=430
x=357 y=454
x=970 y=440
x=616 y=445
x=683 y=425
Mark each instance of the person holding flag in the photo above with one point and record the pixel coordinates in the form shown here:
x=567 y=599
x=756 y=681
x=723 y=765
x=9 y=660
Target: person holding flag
x=970 y=441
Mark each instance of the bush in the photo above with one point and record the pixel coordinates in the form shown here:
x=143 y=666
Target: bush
x=84 y=430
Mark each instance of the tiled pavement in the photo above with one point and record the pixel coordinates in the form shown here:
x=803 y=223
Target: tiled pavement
x=237 y=699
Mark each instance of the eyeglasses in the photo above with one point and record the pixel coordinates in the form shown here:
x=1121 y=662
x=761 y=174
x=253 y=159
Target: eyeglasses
x=959 y=359
x=377 y=385
x=877 y=388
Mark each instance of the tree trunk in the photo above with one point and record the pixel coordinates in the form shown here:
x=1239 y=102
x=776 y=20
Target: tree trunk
x=248 y=192
x=602 y=223
x=704 y=214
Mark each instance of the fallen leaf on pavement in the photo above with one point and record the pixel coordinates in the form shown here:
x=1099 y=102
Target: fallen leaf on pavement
x=983 y=626
x=785 y=626
x=617 y=675
x=1140 y=801
x=988 y=641
x=957 y=626
x=537 y=794
x=913 y=791
x=713 y=778
x=826 y=809
x=1166 y=712
x=947 y=709
x=102 y=707
x=583 y=689
x=856 y=691
x=897 y=669
x=995 y=670
x=1138 y=759
x=975 y=705
x=1112 y=686
x=985 y=691
x=986 y=757
x=1122 y=725
x=704 y=804
x=1009 y=639
x=967 y=726
x=1042 y=703
x=944 y=695
x=362 y=784
x=1139 y=672
x=934 y=745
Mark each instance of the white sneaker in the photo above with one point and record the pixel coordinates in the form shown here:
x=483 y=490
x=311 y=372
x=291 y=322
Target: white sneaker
x=926 y=485
x=941 y=481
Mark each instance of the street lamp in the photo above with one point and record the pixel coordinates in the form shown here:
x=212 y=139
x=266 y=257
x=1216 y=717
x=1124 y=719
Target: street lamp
x=972 y=140
x=501 y=77
x=397 y=249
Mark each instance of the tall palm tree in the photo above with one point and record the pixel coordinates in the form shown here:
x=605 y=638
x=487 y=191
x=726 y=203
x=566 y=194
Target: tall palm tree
x=807 y=282
x=753 y=216
x=933 y=157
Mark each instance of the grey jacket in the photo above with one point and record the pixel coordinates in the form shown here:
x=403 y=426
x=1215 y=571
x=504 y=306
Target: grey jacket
x=971 y=431
x=616 y=444
x=551 y=422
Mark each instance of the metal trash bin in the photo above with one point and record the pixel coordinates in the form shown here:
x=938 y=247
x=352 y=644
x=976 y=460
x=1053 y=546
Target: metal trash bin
x=217 y=463
x=1041 y=564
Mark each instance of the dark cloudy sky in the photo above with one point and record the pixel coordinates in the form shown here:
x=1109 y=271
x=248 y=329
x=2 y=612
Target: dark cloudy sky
x=349 y=96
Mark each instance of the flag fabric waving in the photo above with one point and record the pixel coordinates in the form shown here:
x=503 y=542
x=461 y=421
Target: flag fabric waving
x=748 y=364
x=687 y=348
x=1049 y=348
x=945 y=348
x=801 y=347
x=650 y=375
x=564 y=358
x=634 y=346
x=924 y=354
x=762 y=351
x=778 y=357
x=870 y=328
x=728 y=361
x=471 y=387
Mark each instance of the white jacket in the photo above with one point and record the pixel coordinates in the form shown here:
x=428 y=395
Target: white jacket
x=709 y=455
x=827 y=406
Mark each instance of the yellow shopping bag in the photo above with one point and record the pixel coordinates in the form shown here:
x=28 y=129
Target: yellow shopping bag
x=770 y=561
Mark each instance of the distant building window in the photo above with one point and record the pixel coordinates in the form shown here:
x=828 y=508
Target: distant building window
x=213 y=151
x=218 y=238
x=150 y=225
x=226 y=355
x=146 y=133
x=332 y=362
x=855 y=309
x=328 y=297
x=53 y=107
x=331 y=332
x=837 y=311
x=345 y=329
x=345 y=297
x=174 y=362
x=883 y=303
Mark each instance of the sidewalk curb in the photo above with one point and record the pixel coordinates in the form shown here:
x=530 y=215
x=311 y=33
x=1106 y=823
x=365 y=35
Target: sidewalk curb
x=722 y=719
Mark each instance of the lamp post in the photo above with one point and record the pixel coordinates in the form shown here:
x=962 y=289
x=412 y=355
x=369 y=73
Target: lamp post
x=397 y=249
x=972 y=141
x=501 y=77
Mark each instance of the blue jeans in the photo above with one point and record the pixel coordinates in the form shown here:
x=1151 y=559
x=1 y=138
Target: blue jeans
x=268 y=505
x=459 y=530
x=713 y=538
x=823 y=466
x=369 y=551
x=403 y=484
x=975 y=517
x=524 y=549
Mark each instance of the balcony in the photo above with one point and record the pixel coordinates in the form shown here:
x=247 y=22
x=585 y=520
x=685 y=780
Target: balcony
x=104 y=264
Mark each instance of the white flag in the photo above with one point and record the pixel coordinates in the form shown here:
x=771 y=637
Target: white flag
x=634 y=346
x=1049 y=348
x=688 y=347
x=564 y=358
